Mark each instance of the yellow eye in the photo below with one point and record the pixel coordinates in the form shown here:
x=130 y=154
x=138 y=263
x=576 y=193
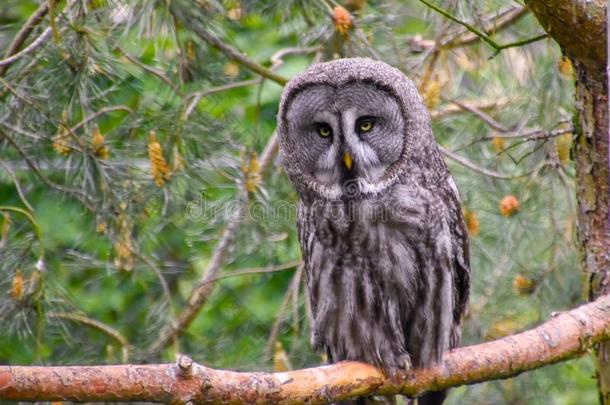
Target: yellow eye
x=324 y=130
x=365 y=124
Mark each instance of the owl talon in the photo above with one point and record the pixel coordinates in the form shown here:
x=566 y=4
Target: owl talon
x=404 y=362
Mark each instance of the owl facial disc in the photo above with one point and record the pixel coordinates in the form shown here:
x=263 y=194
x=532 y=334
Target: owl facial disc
x=355 y=122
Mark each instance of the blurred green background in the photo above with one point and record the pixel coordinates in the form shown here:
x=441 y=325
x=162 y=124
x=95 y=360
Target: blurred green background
x=126 y=142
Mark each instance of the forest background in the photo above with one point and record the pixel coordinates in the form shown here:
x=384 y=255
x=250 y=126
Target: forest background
x=144 y=214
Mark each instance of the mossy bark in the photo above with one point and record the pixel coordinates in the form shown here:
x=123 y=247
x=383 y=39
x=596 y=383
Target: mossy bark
x=580 y=28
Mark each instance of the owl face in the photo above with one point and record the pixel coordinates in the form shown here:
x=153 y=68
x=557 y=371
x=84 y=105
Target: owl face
x=344 y=135
x=355 y=127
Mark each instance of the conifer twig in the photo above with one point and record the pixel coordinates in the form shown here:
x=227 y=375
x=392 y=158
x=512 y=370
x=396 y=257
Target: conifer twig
x=482 y=116
x=534 y=134
x=295 y=284
x=258 y=270
x=472 y=166
x=35 y=226
x=43 y=38
x=197 y=96
x=482 y=104
x=277 y=60
x=503 y=20
x=20 y=192
x=102 y=327
x=155 y=72
x=164 y=286
x=83 y=198
x=202 y=290
x=24 y=33
x=100 y=112
x=217 y=43
x=496 y=46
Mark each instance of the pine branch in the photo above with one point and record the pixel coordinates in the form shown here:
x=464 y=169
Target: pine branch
x=279 y=317
x=534 y=134
x=481 y=170
x=18 y=187
x=258 y=270
x=95 y=324
x=82 y=197
x=564 y=336
x=41 y=40
x=24 y=33
x=202 y=290
x=483 y=104
x=501 y=21
x=195 y=25
x=154 y=71
x=482 y=34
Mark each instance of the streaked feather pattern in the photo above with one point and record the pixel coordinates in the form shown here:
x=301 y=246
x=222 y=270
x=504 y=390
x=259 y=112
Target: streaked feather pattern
x=384 y=242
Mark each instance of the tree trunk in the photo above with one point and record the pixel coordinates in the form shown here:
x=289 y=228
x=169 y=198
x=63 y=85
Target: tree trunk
x=591 y=157
x=580 y=29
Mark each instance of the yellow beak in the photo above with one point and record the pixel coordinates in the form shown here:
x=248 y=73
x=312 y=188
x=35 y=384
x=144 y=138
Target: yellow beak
x=347 y=159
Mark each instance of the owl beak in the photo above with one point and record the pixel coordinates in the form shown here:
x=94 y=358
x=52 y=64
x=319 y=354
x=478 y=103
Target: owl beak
x=347 y=159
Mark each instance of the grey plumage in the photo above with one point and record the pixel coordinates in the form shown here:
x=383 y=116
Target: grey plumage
x=381 y=230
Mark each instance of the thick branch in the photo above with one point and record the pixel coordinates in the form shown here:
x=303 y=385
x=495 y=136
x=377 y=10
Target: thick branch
x=561 y=19
x=566 y=335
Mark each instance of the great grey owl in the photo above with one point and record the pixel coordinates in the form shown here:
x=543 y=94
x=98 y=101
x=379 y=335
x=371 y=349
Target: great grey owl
x=379 y=220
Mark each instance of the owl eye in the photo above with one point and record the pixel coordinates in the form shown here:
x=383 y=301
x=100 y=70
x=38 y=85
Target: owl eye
x=324 y=130
x=365 y=124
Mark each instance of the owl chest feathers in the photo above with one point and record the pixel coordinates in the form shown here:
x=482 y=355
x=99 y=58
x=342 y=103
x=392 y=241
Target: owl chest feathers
x=372 y=280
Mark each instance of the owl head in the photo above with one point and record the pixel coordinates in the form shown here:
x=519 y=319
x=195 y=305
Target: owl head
x=353 y=127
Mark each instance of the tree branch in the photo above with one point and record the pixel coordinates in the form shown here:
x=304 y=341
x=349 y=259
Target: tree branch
x=24 y=33
x=566 y=335
x=95 y=324
x=500 y=22
x=453 y=109
x=82 y=197
x=154 y=71
x=229 y=51
x=483 y=35
x=486 y=172
x=258 y=270
x=561 y=18
x=202 y=290
x=42 y=39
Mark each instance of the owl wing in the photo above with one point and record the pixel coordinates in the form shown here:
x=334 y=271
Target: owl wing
x=432 y=224
x=306 y=240
x=460 y=258
x=450 y=261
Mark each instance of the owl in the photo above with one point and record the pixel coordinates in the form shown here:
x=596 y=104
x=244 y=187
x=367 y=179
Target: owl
x=379 y=219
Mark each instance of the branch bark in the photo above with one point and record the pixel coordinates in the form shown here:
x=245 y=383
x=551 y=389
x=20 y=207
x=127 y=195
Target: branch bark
x=563 y=19
x=566 y=335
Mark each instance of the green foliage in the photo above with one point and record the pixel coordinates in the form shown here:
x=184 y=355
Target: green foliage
x=125 y=245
